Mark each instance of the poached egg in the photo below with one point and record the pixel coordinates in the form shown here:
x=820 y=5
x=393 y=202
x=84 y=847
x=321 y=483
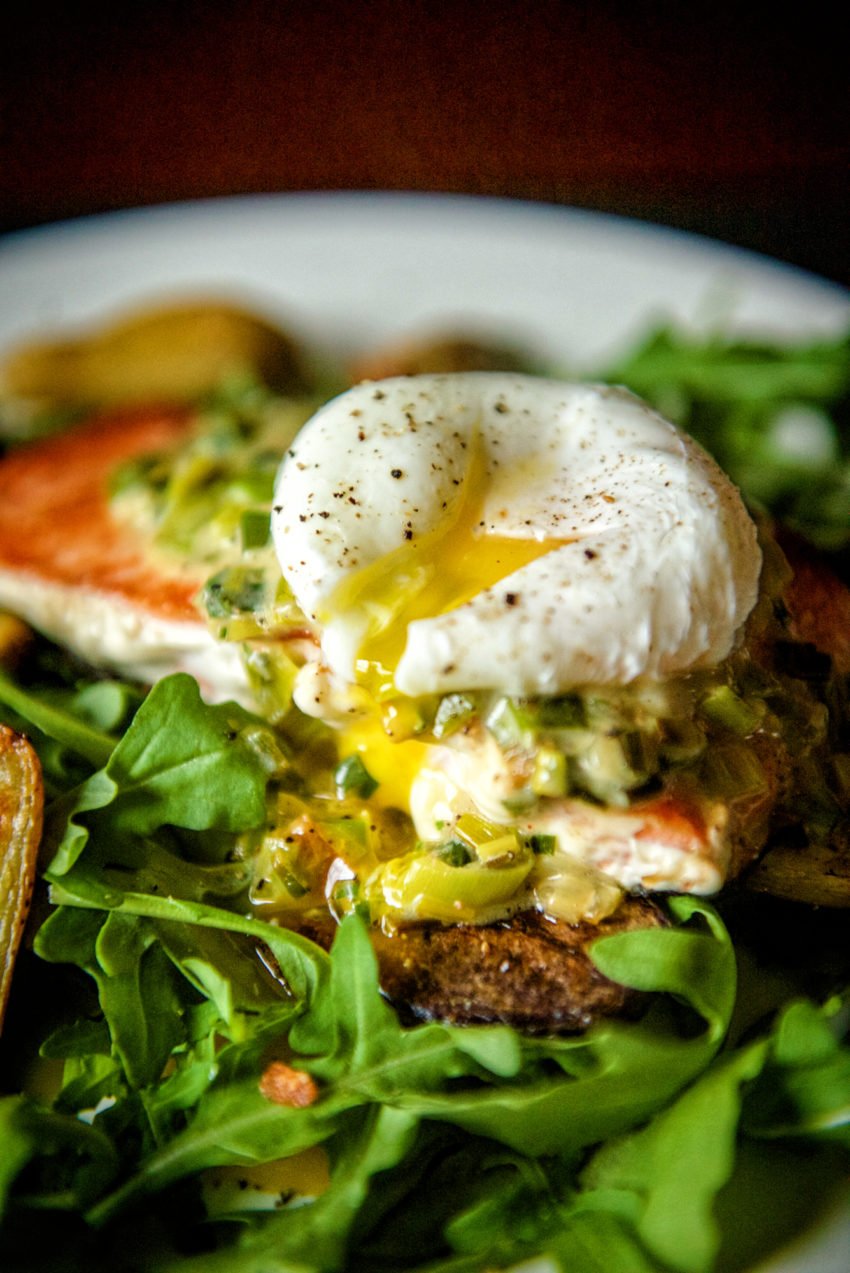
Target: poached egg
x=511 y=534
x=500 y=531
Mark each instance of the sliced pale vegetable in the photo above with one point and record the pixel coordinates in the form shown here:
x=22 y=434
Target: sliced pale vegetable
x=21 y=804
x=172 y=352
x=564 y=888
x=424 y=886
x=491 y=842
x=723 y=706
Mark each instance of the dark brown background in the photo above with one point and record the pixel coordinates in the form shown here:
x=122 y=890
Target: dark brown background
x=730 y=123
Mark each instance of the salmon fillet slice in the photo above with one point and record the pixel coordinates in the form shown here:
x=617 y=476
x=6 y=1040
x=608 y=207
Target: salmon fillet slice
x=86 y=579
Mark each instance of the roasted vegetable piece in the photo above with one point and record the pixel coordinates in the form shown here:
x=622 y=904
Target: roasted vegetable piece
x=170 y=353
x=15 y=637
x=21 y=803
x=441 y=354
x=814 y=874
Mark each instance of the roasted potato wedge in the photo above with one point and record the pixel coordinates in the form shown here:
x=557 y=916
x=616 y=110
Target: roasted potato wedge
x=169 y=353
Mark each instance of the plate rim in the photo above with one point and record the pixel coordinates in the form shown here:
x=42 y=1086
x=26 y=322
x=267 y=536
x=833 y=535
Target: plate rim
x=411 y=201
x=580 y=286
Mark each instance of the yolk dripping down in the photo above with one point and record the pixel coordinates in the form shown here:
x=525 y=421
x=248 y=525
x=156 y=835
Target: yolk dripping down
x=426 y=576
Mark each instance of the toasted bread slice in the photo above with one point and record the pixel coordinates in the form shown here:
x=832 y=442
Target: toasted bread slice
x=530 y=972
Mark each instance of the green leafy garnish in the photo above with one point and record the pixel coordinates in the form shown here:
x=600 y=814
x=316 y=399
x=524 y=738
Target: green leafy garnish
x=152 y=1000
x=774 y=417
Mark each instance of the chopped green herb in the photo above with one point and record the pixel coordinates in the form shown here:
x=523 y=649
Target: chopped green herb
x=254 y=528
x=455 y=852
x=234 y=591
x=540 y=843
x=352 y=778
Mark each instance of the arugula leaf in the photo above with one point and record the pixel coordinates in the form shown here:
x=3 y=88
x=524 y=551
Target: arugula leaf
x=806 y=1084
x=353 y=1044
x=513 y=1208
x=721 y=371
x=113 y=868
x=181 y=763
x=661 y=1187
x=184 y=762
x=225 y=971
x=775 y=418
x=18 y=1142
x=139 y=998
x=301 y=964
x=78 y=1161
x=78 y=1039
x=106 y=705
x=696 y=963
x=134 y=980
x=599 y=1242
x=674 y=1168
x=64 y=726
x=64 y=838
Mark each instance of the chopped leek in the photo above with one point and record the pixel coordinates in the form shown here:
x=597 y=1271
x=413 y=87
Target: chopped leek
x=352 y=778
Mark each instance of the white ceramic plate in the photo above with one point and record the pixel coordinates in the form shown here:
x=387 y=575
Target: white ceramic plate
x=347 y=271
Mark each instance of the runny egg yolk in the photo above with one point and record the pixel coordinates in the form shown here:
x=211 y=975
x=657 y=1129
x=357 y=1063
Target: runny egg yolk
x=429 y=575
x=393 y=765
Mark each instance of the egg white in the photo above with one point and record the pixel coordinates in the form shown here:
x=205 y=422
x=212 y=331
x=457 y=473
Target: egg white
x=643 y=558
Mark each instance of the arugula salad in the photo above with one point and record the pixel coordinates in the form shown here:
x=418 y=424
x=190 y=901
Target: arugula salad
x=188 y=1088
